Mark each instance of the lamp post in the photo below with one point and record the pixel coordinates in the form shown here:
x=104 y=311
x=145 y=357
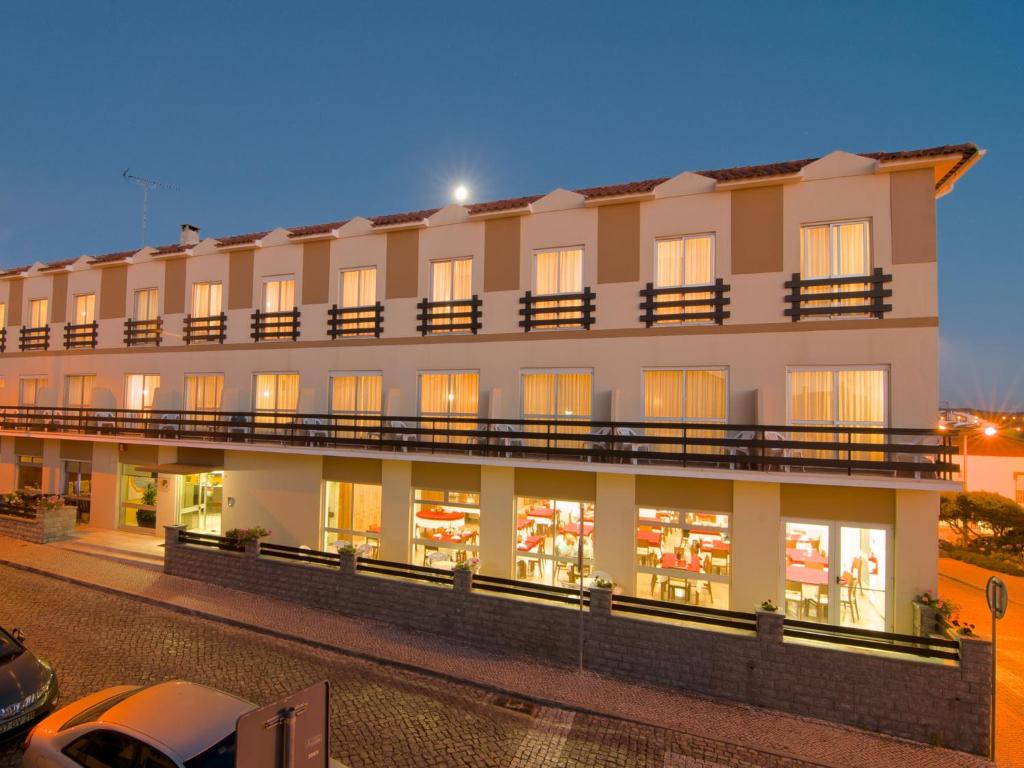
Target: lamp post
x=988 y=431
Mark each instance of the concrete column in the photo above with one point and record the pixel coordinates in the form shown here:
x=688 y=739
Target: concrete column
x=396 y=510
x=615 y=529
x=51 y=466
x=756 y=545
x=915 y=553
x=166 y=488
x=7 y=461
x=497 y=521
x=105 y=490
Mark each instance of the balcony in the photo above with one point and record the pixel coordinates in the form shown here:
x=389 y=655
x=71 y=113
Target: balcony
x=355 y=321
x=862 y=295
x=81 y=335
x=32 y=339
x=3 y=339
x=141 y=333
x=459 y=316
x=671 y=306
x=558 y=310
x=210 y=329
x=923 y=454
x=275 y=326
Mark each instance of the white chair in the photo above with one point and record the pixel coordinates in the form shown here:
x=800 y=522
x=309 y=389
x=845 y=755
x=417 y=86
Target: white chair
x=509 y=439
x=932 y=441
x=439 y=559
x=311 y=428
x=403 y=437
x=103 y=420
x=365 y=550
x=626 y=445
x=599 y=445
x=738 y=450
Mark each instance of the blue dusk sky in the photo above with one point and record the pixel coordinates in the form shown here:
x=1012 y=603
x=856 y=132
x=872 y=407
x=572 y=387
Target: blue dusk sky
x=282 y=114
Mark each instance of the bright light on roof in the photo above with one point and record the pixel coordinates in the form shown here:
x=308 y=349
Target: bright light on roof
x=989 y=431
x=461 y=193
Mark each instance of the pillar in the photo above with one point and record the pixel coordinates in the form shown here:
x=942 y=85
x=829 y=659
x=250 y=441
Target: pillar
x=497 y=521
x=104 y=503
x=756 y=545
x=166 y=488
x=615 y=529
x=7 y=464
x=51 y=466
x=915 y=548
x=395 y=510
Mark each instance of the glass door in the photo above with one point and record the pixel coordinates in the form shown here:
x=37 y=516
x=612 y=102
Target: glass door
x=199 y=501
x=863 y=578
x=807 y=551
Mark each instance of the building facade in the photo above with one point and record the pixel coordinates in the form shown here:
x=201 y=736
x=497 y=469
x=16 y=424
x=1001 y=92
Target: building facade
x=716 y=388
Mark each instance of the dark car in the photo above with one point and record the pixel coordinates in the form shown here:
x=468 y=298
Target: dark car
x=28 y=686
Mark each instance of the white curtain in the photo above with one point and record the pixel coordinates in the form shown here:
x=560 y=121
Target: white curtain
x=356 y=394
x=139 y=391
x=451 y=280
x=85 y=308
x=39 y=312
x=203 y=392
x=146 y=302
x=277 y=392
x=30 y=386
x=279 y=295
x=206 y=299
x=359 y=287
x=78 y=391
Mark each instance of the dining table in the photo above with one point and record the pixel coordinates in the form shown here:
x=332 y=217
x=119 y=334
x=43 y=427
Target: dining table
x=574 y=528
x=806 y=557
x=436 y=517
x=804 y=575
x=456 y=537
x=669 y=560
x=523 y=522
x=530 y=543
x=649 y=538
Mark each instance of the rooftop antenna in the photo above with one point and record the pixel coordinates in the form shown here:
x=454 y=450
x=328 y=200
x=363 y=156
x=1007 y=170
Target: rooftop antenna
x=147 y=186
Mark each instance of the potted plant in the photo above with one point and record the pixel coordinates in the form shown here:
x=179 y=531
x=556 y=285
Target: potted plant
x=145 y=515
x=248 y=538
x=769 y=606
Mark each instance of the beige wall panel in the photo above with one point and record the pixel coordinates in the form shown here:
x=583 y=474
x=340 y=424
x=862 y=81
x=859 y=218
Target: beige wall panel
x=59 y=298
x=501 y=254
x=912 y=198
x=113 y=292
x=240 y=292
x=203 y=457
x=995 y=474
x=139 y=454
x=556 y=484
x=915 y=552
x=445 y=477
x=757 y=230
x=615 y=529
x=174 y=287
x=365 y=471
x=14 y=301
x=497 y=521
x=756 y=545
x=28 y=446
x=559 y=229
x=825 y=502
x=51 y=466
x=104 y=499
x=316 y=272
x=396 y=510
x=618 y=243
x=687 y=215
x=280 y=492
x=8 y=457
x=446 y=242
x=76 y=450
x=684 y=493
x=402 y=279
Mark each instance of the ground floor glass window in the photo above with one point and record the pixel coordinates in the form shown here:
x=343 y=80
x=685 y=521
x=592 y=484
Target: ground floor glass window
x=683 y=556
x=445 y=527
x=352 y=515
x=78 y=487
x=549 y=535
x=138 y=497
x=30 y=473
x=200 y=501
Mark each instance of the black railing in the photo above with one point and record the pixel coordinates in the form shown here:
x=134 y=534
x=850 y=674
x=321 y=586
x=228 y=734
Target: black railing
x=37 y=338
x=558 y=310
x=911 y=453
x=3 y=339
x=23 y=511
x=404 y=571
x=210 y=540
x=808 y=298
x=139 y=333
x=929 y=647
x=81 y=335
x=531 y=590
x=209 y=329
x=678 y=305
x=355 y=321
x=456 y=316
x=275 y=326
x=660 y=609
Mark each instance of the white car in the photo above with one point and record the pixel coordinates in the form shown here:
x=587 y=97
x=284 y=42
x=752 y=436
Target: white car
x=168 y=725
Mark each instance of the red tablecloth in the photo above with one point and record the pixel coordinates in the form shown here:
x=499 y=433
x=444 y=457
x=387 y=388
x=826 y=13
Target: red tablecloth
x=668 y=560
x=650 y=538
x=454 y=538
x=574 y=528
x=435 y=513
x=805 y=556
x=531 y=543
x=523 y=522
x=716 y=547
x=541 y=512
x=806 y=575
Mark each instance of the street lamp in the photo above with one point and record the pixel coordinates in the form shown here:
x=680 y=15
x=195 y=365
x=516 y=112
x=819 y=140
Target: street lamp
x=988 y=431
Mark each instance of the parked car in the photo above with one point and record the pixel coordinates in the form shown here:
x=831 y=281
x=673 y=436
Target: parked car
x=169 y=725
x=28 y=686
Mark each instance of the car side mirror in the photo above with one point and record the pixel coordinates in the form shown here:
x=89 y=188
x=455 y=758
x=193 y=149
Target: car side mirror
x=18 y=635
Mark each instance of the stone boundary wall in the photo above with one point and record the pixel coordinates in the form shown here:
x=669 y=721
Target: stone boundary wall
x=926 y=701
x=48 y=525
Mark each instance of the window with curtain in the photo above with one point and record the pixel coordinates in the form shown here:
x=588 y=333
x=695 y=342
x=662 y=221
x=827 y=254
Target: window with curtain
x=140 y=388
x=839 y=397
x=276 y=393
x=206 y=299
x=564 y=396
x=279 y=294
x=39 y=313
x=358 y=288
x=454 y=394
x=699 y=395
x=85 y=308
x=684 y=262
x=451 y=279
x=834 y=250
x=551 y=534
x=78 y=390
x=445 y=527
x=555 y=271
x=351 y=515
x=29 y=388
x=146 y=301
x=203 y=391
x=356 y=394
x=3 y=315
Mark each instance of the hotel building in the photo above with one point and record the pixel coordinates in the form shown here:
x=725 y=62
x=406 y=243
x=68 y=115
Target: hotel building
x=716 y=388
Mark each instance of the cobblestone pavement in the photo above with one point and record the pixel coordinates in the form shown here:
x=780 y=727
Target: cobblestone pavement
x=392 y=715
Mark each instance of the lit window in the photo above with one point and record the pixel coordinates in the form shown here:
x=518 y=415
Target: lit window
x=446 y=527
x=140 y=390
x=206 y=299
x=85 y=308
x=147 y=304
x=352 y=515
x=39 y=313
x=551 y=534
x=451 y=279
x=838 y=397
x=279 y=294
x=78 y=390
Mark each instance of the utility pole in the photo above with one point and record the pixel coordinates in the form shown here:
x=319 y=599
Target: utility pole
x=147 y=186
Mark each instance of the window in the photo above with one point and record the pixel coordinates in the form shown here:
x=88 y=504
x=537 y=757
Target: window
x=359 y=289
x=29 y=389
x=351 y=515
x=146 y=304
x=683 y=556
x=203 y=391
x=85 y=308
x=451 y=279
x=684 y=262
x=356 y=394
x=275 y=393
x=30 y=472
x=39 y=313
x=699 y=395
x=446 y=527
x=449 y=395
x=140 y=389
x=206 y=299
x=835 y=250
x=78 y=487
x=549 y=536
x=138 y=497
x=3 y=315
x=838 y=397
x=78 y=390
x=558 y=271
x=279 y=294
x=103 y=749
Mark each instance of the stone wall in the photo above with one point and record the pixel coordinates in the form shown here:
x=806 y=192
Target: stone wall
x=48 y=525
x=932 y=702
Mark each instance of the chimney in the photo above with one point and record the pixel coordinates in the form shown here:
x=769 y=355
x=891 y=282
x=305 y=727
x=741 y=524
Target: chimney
x=189 y=234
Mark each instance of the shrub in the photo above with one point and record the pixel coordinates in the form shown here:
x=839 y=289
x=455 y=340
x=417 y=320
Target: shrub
x=992 y=561
x=242 y=535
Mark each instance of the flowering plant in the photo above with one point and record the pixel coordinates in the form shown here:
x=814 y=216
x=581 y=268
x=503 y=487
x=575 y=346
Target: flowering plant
x=965 y=629
x=49 y=502
x=242 y=535
x=602 y=583
x=945 y=608
x=768 y=605
x=468 y=565
x=346 y=547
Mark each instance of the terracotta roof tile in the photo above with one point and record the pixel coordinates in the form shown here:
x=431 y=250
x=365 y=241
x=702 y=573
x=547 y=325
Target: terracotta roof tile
x=57 y=265
x=164 y=250
x=14 y=271
x=252 y=237
x=316 y=229
x=410 y=217
x=503 y=205
x=108 y=257
x=997 y=445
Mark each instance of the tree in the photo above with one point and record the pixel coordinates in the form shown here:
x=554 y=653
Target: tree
x=967 y=513
x=958 y=514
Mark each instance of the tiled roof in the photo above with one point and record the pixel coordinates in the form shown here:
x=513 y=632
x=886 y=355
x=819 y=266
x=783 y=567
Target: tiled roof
x=503 y=205
x=14 y=271
x=410 y=217
x=316 y=229
x=252 y=237
x=57 y=265
x=164 y=250
x=108 y=257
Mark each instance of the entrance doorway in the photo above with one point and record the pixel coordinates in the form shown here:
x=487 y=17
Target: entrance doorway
x=838 y=573
x=199 y=501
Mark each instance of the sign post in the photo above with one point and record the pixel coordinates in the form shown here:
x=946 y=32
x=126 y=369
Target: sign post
x=290 y=733
x=998 y=600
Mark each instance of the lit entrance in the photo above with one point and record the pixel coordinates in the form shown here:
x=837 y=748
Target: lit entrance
x=200 y=501
x=837 y=574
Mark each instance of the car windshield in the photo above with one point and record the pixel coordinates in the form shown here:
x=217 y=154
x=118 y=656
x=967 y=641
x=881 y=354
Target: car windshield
x=8 y=645
x=96 y=711
x=220 y=755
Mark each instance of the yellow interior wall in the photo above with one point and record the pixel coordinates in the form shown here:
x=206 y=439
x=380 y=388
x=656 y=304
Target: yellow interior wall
x=497 y=521
x=756 y=525
x=615 y=529
x=396 y=510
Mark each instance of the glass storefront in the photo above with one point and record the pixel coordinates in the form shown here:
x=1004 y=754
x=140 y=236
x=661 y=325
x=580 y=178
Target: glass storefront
x=78 y=487
x=352 y=515
x=200 y=501
x=30 y=473
x=683 y=556
x=549 y=536
x=445 y=527
x=138 y=497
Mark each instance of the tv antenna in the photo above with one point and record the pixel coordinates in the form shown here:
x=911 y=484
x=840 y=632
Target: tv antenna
x=147 y=185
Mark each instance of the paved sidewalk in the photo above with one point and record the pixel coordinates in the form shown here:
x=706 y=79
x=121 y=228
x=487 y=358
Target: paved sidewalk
x=766 y=731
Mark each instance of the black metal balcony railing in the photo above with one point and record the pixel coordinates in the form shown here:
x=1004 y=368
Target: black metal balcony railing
x=209 y=329
x=275 y=326
x=917 y=453
x=449 y=316
x=81 y=335
x=355 y=321
x=860 y=295
x=3 y=339
x=709 y=306
x=138 y=333
x=558 y=310
x=37 y=338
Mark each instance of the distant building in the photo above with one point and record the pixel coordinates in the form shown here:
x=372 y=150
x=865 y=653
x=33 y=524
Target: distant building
x=994 y=464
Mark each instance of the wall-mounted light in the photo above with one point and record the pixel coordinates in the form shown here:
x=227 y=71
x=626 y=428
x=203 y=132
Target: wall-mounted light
x=231 y=501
